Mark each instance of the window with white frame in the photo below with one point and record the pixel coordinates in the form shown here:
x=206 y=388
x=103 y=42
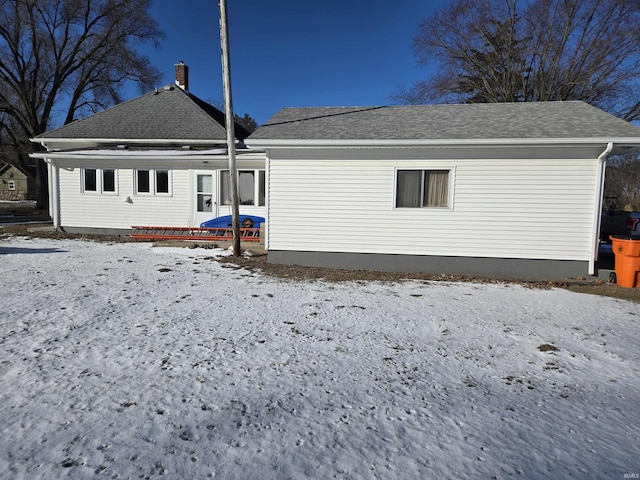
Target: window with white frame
x=143 y=181
x=261 y=188
x=422 y=188
x=109 y=180
x=99 y=180
x=90 y=180
x=162 y=181
x=153 y=182
x=250 y=191
x=11 y=184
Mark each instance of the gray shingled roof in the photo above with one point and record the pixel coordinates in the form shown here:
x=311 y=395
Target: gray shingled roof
x=555 y=120
x=168 y=113
x=6 y=166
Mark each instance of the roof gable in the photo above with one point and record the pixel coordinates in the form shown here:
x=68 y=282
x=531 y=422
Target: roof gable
x=169 y=113
x=480 y=121
x=5 y=167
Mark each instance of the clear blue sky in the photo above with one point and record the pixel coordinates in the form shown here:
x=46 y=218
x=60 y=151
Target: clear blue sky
x=287 y=53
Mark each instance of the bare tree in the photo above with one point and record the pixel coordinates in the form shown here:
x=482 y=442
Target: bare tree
x=505 y=50
x=62 y=59
x=247 y=122
x=623 y=181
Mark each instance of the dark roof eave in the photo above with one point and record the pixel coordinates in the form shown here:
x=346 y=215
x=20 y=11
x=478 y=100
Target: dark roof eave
x=443 y=143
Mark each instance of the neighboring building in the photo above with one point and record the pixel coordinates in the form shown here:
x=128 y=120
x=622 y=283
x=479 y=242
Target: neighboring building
x=15 y=184
x=159 y=159
x=511 y=189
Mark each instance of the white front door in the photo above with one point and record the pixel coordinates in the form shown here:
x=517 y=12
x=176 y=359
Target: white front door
x=205 y=206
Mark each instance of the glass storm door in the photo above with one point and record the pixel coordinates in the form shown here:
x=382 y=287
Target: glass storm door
x=206 y=206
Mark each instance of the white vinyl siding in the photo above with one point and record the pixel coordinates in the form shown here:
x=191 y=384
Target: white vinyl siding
x=537 y=208
x=78 y=209
x=173 y=202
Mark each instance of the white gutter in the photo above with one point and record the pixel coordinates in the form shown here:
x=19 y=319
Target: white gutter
x=597 y=213
x=267 y=200
x=124 y=154
x=125 y=141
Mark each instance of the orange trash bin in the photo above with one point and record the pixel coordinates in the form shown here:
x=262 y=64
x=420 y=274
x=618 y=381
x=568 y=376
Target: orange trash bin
x=627 y=266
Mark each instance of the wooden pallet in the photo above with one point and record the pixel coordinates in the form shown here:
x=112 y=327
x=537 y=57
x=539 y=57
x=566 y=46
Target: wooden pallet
x=193 y=233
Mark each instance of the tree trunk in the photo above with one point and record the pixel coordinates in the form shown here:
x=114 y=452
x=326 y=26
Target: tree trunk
x=42 y=185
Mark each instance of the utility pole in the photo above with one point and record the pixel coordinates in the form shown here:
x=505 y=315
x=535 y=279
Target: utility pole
x=231 y=136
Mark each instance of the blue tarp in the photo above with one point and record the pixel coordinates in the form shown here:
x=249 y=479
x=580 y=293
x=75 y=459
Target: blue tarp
x=247 y=221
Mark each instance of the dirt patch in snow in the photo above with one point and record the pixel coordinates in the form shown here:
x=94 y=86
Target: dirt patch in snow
x=547 y=347
x=259 y=262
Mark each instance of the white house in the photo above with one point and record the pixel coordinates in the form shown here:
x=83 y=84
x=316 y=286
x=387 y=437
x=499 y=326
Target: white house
x=508 y=189
x=159 y=159
x=512 y=189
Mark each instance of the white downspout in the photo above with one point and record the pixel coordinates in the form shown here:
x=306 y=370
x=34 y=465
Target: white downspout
x=595 y=235
x=54 y=194
x=267 y=197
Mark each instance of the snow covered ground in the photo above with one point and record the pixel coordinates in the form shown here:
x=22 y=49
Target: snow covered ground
x=129 y=361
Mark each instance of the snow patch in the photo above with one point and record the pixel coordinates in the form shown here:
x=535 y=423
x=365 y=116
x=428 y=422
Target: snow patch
x=130 y=361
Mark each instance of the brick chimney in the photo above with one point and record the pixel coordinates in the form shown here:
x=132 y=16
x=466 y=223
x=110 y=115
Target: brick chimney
x=182 y=75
